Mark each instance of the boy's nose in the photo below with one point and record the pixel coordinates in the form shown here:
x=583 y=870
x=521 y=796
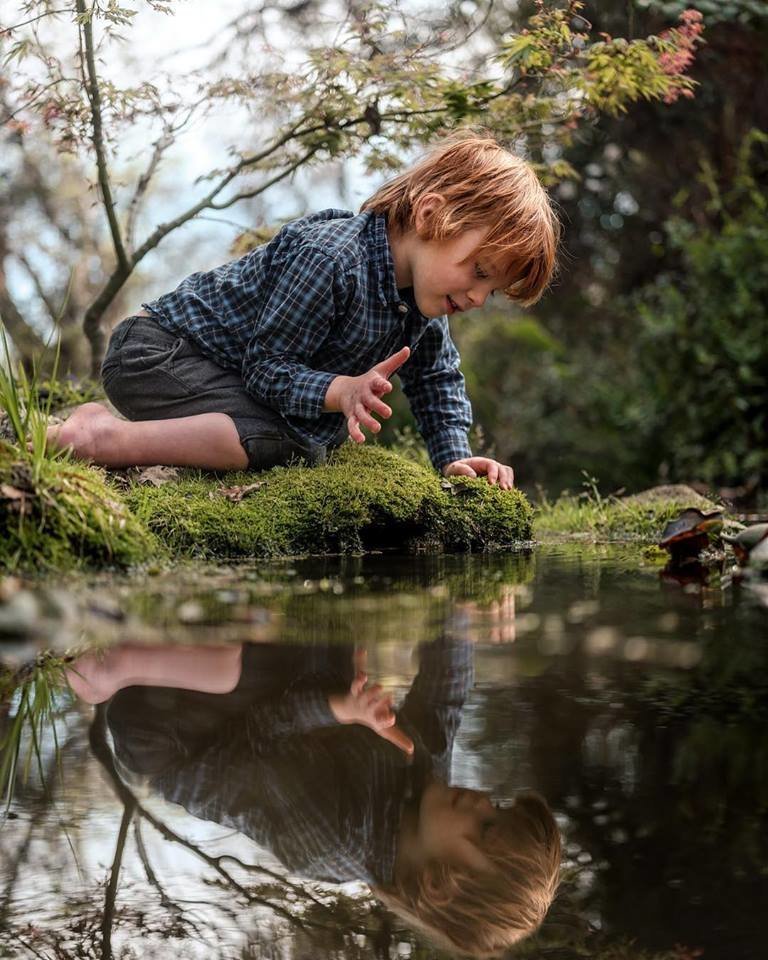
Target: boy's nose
x=477 y=297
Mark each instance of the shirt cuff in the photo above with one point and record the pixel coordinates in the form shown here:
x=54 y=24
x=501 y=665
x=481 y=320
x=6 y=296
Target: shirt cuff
x=306 y=397
x=447 y=446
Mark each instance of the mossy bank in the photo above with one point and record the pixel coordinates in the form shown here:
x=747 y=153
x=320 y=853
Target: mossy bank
x=56 y=514
x=364 y=498
x=640 y=517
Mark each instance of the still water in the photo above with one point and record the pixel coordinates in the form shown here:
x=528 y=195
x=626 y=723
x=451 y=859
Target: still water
x=633 y=703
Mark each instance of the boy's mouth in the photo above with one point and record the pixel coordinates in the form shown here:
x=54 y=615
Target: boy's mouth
x=452 y=305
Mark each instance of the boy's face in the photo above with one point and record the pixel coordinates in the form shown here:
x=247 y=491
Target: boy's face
x=447 y=276
x=455 y=824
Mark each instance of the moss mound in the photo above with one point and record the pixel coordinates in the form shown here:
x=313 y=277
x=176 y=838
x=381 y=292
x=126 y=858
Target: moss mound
x=54 y=513
x=364 y=498
x=640 y=517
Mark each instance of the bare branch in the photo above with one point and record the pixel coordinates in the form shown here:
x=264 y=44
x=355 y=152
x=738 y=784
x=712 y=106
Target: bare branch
x=248 y=194
x=40 y=16
x=94 y=98
x=38 y=93
x=159 y=147
x=39 y=288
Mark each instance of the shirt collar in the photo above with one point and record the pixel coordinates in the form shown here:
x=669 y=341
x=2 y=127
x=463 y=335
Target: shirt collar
x=401 y=301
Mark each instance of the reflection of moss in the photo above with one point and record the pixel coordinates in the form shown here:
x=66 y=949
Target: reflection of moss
x=364 y=498
x=640 y=517
x=58 y=514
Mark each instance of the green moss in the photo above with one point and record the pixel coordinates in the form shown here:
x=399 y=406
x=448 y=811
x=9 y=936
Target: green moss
x=54 y=513
x=364 y=498
x=641 y=517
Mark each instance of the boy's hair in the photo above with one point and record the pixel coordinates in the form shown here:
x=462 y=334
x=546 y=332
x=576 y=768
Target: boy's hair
x=483 y=185
x=478 y=914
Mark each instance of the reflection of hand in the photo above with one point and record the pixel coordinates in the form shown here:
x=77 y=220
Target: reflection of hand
x=372 y=708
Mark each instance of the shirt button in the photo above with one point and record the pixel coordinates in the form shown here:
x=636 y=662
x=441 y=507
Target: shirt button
x=402 y=308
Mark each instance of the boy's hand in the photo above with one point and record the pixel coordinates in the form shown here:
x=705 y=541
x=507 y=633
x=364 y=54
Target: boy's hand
x=358 y=398
x=497 y=473
x=371 y=708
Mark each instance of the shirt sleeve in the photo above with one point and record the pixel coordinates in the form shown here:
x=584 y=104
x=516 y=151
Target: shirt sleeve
x=434 y=385
x=292 y=326
x=434 y=703
x=295 y=712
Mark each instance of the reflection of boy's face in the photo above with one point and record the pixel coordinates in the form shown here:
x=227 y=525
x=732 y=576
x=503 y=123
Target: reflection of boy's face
x=455 y=824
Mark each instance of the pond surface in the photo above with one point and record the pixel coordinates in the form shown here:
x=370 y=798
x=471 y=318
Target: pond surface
x=635 y=704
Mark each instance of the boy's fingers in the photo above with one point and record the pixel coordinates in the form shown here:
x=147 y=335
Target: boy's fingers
x=378 y=406
x=392 y=364
x=353 y=427
x=506 y=478
x=460 y=470
x=365 y=419
x=395 y=735
x=492 y=473
x=381 y=386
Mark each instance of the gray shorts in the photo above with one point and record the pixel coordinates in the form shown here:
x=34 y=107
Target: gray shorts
x=151 y=374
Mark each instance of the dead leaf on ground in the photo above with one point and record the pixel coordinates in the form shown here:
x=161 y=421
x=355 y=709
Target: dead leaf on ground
x=457 y=489
x=236 y=494
x=19 y=499
x=157 y=476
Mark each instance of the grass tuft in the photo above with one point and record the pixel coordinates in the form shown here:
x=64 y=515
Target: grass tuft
x=589 y=515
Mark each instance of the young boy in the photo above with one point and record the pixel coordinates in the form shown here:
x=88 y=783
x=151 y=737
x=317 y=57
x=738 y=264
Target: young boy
x=313 y=768
x=284 y=352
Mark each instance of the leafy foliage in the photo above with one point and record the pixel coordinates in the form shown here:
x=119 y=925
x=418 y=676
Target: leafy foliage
x=376 y=87
x=702 y=349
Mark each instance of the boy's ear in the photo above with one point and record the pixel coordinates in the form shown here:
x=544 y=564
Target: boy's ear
x=423 y=211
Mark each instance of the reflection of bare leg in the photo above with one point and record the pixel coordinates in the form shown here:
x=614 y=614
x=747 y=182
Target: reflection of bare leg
x=208 y=440
x=95 y=677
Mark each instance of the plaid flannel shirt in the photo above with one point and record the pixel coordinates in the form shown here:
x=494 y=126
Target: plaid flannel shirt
x=326 y=800
x=318 y=301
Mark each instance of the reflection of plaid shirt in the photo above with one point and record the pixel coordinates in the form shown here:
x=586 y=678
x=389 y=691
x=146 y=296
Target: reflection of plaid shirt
x=325 y=799
x=317 y=301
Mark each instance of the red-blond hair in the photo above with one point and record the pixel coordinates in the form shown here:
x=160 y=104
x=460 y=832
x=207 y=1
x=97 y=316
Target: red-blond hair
x=483 y=185
x=481 y=915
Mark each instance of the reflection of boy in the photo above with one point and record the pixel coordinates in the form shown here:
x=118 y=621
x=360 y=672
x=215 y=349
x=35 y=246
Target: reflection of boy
x=341 y=803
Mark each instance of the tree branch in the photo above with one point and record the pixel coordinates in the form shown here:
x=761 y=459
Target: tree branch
x=41 y=16
x=94 y=98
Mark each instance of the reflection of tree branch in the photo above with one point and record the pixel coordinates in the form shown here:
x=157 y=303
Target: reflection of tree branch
x=103 y=754
x=165 y=900
x=129 y=809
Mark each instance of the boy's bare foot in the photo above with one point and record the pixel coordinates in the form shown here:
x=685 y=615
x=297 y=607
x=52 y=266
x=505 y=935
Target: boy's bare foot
x=90 y=433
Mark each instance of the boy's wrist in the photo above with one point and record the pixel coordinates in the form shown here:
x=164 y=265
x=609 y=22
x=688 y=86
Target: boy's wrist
x=332 y=402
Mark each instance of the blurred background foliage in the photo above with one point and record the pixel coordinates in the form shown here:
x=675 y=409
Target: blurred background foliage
x=647 y=361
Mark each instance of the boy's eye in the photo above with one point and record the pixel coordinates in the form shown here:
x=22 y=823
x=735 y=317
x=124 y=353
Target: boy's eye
x=480 y=273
